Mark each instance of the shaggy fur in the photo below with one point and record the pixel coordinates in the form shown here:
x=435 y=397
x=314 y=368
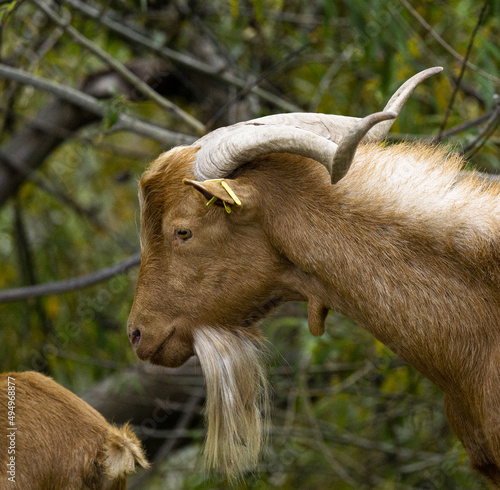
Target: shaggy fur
x=237 y=397
x=61 y=442
x=405 y=245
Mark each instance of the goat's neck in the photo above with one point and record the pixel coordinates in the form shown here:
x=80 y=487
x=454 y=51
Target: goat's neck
x=420 y=295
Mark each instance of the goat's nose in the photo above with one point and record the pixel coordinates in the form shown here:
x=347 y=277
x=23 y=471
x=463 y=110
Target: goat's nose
x=135 y=337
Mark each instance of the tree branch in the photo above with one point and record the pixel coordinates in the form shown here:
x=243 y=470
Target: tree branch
x=248 y=88
x=122 y=70
x=461 y=127
x=477 y=143
x=444 y=44
x=92 y=105
x=67 y=285
x=462 y=68
x=189 y=62
x=190 y=414
x=29 y=147
x=49 y=188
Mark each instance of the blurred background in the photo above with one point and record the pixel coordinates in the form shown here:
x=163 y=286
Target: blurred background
x=91 y=91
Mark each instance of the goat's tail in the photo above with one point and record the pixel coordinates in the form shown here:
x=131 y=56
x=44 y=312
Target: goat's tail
x=122 y=450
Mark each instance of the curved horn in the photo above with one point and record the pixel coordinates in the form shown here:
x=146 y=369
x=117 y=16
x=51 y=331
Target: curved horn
x=347 y=148
x=313 y=136
x=398 y=100
x=226 y=149
x=334 y=127
x=336 y=158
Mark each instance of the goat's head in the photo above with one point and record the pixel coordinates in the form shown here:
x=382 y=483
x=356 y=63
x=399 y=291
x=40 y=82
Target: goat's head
x=209 y=269
x=189 y=274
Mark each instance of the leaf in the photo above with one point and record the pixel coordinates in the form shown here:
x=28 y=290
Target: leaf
x=52 y=307
x=258 y=6
x=234 y=4
x=6 y=8
x=114 y=108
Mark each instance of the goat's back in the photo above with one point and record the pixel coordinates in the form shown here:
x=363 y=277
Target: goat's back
x=59 y=441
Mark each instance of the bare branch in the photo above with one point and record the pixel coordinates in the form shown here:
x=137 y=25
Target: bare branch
x=92 y=105
x=462 y=68
x=190 y=412
x=59 y=287
x=244 y=91
x=122 y=70
x=444 y=44
x=483 y=135
x=180 y=59
x=318 y=435
x=461 y=127
x=51 y=189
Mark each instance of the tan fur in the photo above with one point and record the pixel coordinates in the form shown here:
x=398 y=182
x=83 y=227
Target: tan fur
x=61 y=442
x=122 y=451
x=404 y=245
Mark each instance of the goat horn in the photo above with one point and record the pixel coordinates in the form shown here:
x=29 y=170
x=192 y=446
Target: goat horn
x=334 y=127
x=313 y=136
x=344 y=155
x=226 y=149
x=398 y=100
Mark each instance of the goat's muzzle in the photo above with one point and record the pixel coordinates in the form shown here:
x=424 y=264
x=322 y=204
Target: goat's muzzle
x=168 y=346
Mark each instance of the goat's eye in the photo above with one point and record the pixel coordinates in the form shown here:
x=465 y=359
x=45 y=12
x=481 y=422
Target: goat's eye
x=183 y=233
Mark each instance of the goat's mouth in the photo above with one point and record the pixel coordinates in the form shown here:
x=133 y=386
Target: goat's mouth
x=157 y=355
x=261 y=312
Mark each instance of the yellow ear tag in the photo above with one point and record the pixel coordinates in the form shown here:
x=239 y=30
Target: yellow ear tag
x=228 y=189
x=209 y=203
x=230 y=192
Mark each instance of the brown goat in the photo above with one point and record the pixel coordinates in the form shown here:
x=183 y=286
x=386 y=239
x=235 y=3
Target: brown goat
x=57 y=441
x=403 y=243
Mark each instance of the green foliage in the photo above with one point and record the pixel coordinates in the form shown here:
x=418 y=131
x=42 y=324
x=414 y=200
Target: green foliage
x=6 y=8
x=347 y=413
x=114 y=107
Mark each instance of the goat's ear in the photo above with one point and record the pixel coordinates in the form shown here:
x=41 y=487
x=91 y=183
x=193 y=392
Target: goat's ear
x=229 y=191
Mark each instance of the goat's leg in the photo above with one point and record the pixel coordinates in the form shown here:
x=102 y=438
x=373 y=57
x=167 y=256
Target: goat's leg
x=475 y=440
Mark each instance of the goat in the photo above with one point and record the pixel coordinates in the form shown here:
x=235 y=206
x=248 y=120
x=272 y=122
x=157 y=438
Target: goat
x=397 y=238
x=55 y=440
